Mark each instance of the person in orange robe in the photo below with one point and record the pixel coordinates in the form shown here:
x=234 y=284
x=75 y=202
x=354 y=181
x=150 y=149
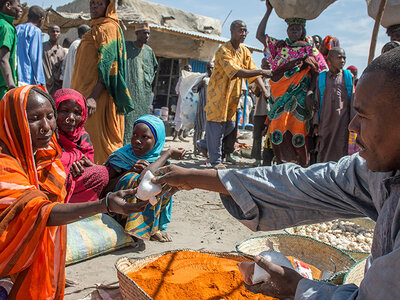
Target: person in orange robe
x=100 y=76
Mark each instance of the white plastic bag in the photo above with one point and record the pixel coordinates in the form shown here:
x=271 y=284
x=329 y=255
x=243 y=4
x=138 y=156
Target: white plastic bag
x=253 y=273
x=305 y=9
x=148 y=190
x=189 y=109
x=190 y=100
x=391 y=14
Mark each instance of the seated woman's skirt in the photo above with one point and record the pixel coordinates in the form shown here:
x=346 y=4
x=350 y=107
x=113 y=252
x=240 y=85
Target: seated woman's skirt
x=153 y=219
x=88 y=186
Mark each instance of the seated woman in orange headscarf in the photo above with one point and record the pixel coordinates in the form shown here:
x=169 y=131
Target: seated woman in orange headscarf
x=32 y=213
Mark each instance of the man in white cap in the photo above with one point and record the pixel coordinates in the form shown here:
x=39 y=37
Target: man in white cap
x=141 y=69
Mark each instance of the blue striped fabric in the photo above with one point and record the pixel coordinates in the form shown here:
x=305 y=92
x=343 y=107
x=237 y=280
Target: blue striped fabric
x=94 y=236
x=198 y=66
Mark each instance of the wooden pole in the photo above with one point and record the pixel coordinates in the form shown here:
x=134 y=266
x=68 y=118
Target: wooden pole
x=375 y=30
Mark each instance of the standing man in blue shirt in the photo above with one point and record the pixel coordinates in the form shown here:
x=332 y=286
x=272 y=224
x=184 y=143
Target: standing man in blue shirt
x=30 y=48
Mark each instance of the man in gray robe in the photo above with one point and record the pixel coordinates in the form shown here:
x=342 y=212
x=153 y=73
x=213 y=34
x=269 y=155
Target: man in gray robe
x=333 y=112
x=364 y=184
x=53 y=57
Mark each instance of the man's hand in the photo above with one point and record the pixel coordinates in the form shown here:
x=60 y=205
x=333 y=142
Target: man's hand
x=139 y=166
x=91 y=105
x=117 y=203
x=281 y=282
x=177 y=153
x=173 y=179
x=266 y=73
x=5 y=68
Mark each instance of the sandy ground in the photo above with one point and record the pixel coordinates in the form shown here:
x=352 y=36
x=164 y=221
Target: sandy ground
x=199 y=221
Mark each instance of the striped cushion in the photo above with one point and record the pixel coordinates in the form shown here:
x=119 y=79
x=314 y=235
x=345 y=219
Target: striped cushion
x=94 y=236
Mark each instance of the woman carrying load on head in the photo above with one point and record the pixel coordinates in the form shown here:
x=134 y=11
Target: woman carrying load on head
x=100 y=76
x=32 y=192
x=295 y=66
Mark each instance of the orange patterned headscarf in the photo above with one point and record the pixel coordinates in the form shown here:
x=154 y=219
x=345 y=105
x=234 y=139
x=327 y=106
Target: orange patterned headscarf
x=32 y=253
x=330 y=42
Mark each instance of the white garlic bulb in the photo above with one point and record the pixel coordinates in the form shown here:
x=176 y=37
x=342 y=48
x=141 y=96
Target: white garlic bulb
x=345 y=235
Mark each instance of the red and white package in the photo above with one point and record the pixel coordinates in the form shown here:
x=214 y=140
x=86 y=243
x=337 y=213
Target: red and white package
x=303 y=269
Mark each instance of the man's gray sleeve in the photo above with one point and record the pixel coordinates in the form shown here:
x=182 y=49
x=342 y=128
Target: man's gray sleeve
x=270 y=198
x=314 y=290
x=380 y=282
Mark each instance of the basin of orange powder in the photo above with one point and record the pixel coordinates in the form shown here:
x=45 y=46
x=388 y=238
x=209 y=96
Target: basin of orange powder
x=193 y=275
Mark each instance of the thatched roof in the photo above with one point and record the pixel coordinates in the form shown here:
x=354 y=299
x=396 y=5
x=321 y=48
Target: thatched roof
x=140 y=10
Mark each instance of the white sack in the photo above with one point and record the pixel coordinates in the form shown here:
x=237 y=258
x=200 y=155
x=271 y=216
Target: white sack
x=305 y=9
x=189 y=100
x=391 y=14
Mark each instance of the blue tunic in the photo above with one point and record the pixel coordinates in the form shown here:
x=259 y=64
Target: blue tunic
x=30 y=53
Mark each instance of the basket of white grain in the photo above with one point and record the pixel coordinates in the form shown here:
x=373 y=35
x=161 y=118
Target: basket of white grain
x=305 y=9
x=390 y=14
x=353 y=236
x=325 y=261
x=356 y=273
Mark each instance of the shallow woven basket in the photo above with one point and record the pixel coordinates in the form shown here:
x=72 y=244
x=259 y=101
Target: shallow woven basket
x=356 y=273
x=357 y=255
x=363 y=222
x=128 y=287
x=321 y=255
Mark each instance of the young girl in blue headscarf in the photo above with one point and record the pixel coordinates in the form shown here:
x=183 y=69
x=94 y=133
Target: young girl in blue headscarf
x=126 y=165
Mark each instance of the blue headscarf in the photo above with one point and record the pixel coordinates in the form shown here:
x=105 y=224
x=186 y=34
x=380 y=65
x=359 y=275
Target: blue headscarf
x=125 y=158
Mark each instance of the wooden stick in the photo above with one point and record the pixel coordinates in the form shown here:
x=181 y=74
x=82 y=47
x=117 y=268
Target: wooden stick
x=375 y=30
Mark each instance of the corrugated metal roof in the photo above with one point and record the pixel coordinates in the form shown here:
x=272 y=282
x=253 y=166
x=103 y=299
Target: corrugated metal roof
x=203 y=36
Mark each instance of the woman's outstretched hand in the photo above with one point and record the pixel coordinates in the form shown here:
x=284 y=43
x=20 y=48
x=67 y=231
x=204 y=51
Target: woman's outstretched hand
x=118 y=204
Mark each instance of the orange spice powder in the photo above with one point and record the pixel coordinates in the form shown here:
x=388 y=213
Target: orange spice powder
x=194 y=275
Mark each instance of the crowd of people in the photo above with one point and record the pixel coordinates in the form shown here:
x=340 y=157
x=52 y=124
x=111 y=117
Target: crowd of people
x=73 y=144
